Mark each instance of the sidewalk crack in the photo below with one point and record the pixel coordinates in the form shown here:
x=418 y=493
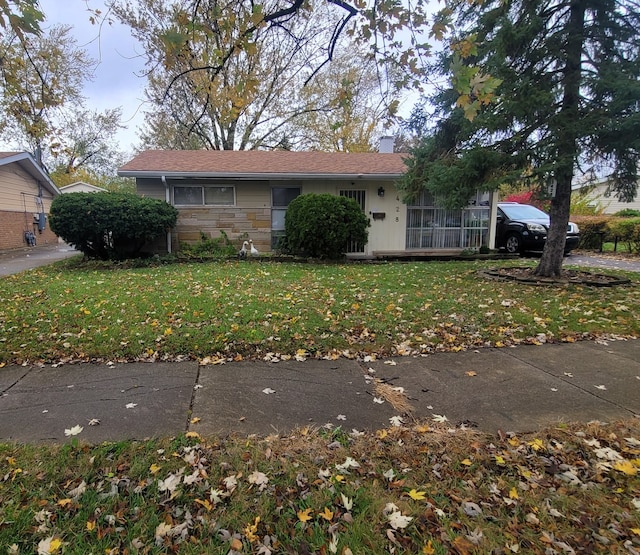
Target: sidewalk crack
x=192 y=400
x=4 y=391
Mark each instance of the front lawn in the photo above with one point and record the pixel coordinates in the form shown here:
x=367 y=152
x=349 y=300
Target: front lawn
x=262 y=309
x=565 y=490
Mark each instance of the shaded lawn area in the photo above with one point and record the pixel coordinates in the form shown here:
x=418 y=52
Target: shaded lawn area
x=264 y=309
x=565 y=490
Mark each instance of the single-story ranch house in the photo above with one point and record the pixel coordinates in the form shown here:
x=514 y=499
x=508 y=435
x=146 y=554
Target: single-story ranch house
x=26 y=192
x=246 y=194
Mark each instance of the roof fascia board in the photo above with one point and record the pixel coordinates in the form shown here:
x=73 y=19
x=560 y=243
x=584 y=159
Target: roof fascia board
x=259 y=176
x=28 y=163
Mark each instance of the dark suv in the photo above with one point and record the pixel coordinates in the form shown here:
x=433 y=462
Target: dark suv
x=522 y=227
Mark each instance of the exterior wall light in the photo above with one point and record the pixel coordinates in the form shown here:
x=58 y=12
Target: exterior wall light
x=381 y=192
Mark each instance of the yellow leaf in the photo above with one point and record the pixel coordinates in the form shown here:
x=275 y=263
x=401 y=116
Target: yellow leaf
x=11 y=461
x=236 y=544
x=500 y=460
x=636 y=531
x=466 y=462
x=626 y=467
x=205 y=503
x=154 y=468
x=326 y=514
x=168 y=331
x=91 y=524
x=417 y=495
x=339 y=478
x=192 y=435
x=536 y=444
x=381 y=434
x=471 y=373
x=422 y=429
x=195 y=420
x=513 y=494
x=428 y=549
x=64 y=502
x=304 y=516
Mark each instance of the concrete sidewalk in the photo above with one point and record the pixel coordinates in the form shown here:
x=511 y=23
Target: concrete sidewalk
x=516 y=389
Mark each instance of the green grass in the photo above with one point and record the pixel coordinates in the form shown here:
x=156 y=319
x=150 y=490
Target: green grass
x=460 y=492
x=68 y=312
x=572 y=487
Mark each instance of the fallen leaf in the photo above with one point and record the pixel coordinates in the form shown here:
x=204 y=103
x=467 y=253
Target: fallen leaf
x=195 y=420
x=268 y=391
x=440 y=418
x=626 y=467
x=94 y=422
x=398 y=521
x=417 y=495
x=131 y=405
x=73 y=431
x=304 y=516
x=49 y=546
x=327 y=514
x=471 y=373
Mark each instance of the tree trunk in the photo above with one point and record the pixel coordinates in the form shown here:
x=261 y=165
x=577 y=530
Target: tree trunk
x=567 y=149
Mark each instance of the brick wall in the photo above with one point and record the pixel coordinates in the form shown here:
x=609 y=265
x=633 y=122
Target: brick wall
x=12 y=229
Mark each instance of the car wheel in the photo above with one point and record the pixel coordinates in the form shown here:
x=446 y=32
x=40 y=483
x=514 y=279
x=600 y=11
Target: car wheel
x=513 y=244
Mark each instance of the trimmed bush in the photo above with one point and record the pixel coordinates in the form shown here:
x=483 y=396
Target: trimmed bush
x=593 y=230
x=110 y=226
x=323 y=225
x=626 y=230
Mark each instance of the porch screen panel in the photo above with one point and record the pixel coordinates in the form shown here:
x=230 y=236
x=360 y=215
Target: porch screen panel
x=432 y=227
x=359 y=197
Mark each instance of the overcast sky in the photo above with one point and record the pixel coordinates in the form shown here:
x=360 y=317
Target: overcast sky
x=118 y=80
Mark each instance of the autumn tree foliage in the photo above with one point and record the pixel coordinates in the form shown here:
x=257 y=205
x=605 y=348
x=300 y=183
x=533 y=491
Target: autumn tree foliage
x=233 y=75
x=568 y=99
x=42 y=104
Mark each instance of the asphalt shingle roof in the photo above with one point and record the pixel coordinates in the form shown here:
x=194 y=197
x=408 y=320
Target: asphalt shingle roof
x=260 y=162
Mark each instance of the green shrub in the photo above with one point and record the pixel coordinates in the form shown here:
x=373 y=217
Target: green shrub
x=323 y=225
x=110 y=226
x=593 y=230
x=628 y=213
x=207 y=247
x=626 y=230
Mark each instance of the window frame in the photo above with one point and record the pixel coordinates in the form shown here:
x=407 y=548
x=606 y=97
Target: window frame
x=202 y=187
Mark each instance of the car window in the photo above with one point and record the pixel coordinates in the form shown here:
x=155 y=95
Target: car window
x=523 y=212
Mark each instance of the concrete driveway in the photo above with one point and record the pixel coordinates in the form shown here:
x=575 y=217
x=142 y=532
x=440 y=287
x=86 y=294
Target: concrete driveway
x=19 y=260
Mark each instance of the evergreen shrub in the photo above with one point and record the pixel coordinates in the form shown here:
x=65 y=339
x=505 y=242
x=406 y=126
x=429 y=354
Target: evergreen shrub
x=323 y=225
x=110 y=226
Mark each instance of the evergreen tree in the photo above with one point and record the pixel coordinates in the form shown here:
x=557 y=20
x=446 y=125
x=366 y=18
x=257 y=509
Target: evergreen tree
x=568 y=96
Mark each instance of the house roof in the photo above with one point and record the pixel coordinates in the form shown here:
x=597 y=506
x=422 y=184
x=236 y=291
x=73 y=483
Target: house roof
x=29 y=164
x=263 y=164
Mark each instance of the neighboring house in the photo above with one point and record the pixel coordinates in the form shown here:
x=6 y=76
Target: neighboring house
x=246 y=194
x=597 y=194
x=26 y=192
x=81 y=187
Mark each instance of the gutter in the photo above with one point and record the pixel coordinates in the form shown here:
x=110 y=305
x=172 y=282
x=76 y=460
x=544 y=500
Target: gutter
x=167 y=197
x=259 y=176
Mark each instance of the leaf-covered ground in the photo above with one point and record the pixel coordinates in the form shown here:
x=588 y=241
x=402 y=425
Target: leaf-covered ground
x=256 y=310
x=564 y=490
